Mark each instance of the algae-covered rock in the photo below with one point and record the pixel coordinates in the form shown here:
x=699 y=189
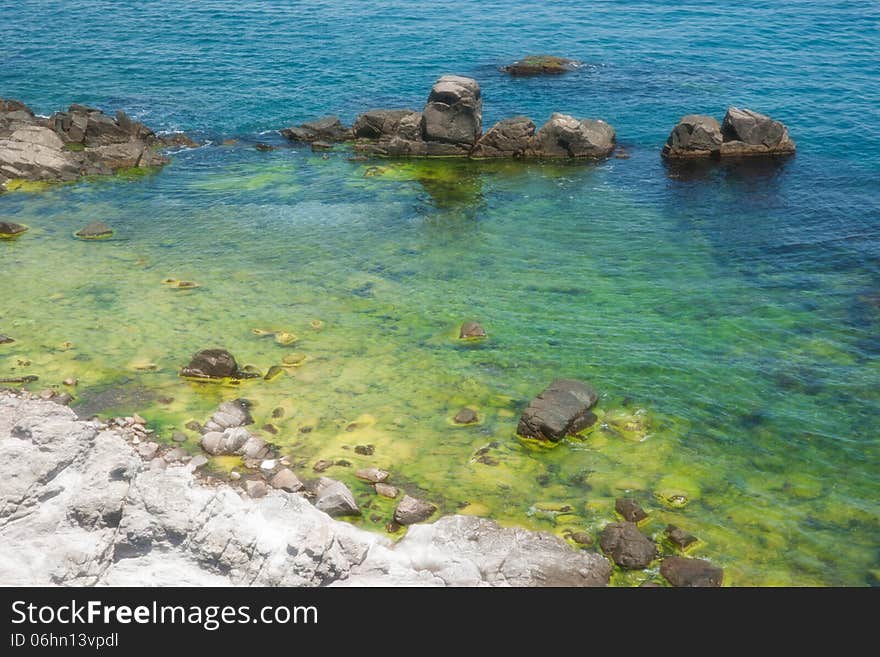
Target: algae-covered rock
x=327 y=128
x=466 y=416
x=213 y=364
x=532 y=65
x=9 y=229
x=627 y=546
x=679 y=537
x=562 y=409
x=471 y=331
x=630 y=509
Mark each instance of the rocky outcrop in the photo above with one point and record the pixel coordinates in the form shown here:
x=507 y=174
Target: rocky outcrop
x=562 y=409
x=541 y=65
x=743 y=133
x=326 y=129
x=78 y=506
x=81 y=141
x=454 y=112
x=507 y=138
x=564 y=136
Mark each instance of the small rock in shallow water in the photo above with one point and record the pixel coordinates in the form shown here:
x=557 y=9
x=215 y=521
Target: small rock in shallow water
x=466 y=416
x=541 y=65
x=9 y=229
x=386 y=490
x=212 y=364
x=471 y=331
x=94 y=231
x=562 y=409
x=371 y=475
x=47 y=394
x=683 y=571
x=627 y=546
x=255 y=488
x=582 y=538
x=178 y=437
x=192 y=425
x=198 y=461
x=322 y=465
x=270 y=428
x=412 y=510
x=630 y=509
x=284 y=338
x=679 y=537
x=274 y=372
x=5 y=339
x=364 y=450
x=263 y=147
x=70 y=382
x=285 y=479
x=277 y=412
x=334 y=498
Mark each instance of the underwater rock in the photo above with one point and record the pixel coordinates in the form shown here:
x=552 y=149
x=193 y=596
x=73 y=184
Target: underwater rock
x=213 y=364
x=470 y=331
x=9 y=229
x=386 y=490
x=94 y=231
x=627 y=546
x=321 y=146
x=454 y=112
x=541 y=65
x=582 y=538
x=684 y=571
x=285 y=479
x=372 y=475
x=694 y=136
x=264 y=148
x=364 y=450
x=507 y=138
x=412 y=510
x=5 y=339
x=334 y=498
x=564 y=136
x=679 y=537
x=327 y=128
x=562 y=409
x=466 y=416
x=742 y=133
x=630 y=509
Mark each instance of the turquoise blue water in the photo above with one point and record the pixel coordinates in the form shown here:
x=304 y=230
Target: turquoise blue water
x=737 y=306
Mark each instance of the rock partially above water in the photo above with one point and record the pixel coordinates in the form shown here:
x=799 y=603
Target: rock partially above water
x=466 y=416
x=630 y=510
x=334 y=498
x=95 y=231
x=327 y=129
x=412 y=510
x=471 y=330
x=454 y=112
x=541 y=65
x=10 y=229
x=562 y=409
x=507 y=138
x=229 y=414
x=82 y=141
x=285 y=479
x=214 y=364
x=564 y=136
x=743 y=133
x=683 y=571
x=679 y=537
x=627 y=546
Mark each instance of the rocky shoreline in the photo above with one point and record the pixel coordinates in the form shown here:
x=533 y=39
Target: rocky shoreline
x=80 y=505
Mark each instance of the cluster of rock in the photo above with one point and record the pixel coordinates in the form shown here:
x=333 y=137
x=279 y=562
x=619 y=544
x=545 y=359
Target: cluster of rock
x=85 y=503
x=742 y=133
x=79 y=142
x=451 y=124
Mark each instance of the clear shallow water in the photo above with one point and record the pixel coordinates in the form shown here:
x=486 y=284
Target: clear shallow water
x=736 y=306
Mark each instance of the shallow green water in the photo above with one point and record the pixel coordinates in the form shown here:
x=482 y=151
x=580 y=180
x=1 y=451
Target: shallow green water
x=759 y=401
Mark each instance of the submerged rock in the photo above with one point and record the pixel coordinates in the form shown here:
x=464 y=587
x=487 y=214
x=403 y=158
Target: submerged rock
x=679 y=537
x=213 y=364
x=743 y=133
x=466 y=416
x=562 y=409
x=9 y=229
x=684 y=571
x=627 y=546
x=470 y=331
x=95 y=231
x=412 y=510
x=334 y=498
x=541 y=65
x=5 y=339
x=372 y=475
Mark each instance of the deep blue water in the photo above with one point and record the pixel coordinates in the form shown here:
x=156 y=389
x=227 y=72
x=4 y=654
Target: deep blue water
x=743 y=300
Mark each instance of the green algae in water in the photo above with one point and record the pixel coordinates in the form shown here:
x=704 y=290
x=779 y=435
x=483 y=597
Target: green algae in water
x=604 y=291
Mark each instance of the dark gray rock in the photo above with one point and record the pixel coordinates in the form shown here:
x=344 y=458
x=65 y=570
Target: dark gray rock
x=454 y=112
x=508 y=138
x=94 y=231
x=686 y=572
x=466 y=416
x=630 y=509
x=5 y=339
x=749 y=133
x=212 y=364
x=694 y=136
x=412 y=510
x=679 y=537
x=564 y=136
x=627 y=546
x=327 y=128
x=379 y=123
x=334 y=498
x=562 y=409
x=11 y=229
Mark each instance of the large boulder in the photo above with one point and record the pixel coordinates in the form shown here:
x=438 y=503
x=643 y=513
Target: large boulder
x=627 y=546
x=327 y=129
x=541 y=65
x=454 y=113
x=695 y=135
x=748 y=133
x=507 y=138
x=562 y=409
x=564 y=136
